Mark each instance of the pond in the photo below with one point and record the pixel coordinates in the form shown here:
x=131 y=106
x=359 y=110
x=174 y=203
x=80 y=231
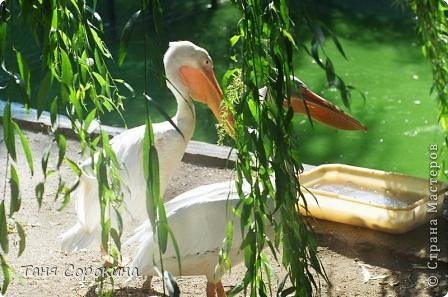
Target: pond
x=384 y=62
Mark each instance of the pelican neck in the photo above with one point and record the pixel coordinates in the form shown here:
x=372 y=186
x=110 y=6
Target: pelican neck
x=185 y=117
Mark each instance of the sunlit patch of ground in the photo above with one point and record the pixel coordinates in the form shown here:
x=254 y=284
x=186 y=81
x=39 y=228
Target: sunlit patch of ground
x=348 y=253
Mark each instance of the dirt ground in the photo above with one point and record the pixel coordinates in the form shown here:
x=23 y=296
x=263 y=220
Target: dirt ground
x=396 y=263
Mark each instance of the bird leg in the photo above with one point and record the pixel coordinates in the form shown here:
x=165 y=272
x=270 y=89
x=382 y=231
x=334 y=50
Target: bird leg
x=220 y=290
x=147 y=283
x=211 y=289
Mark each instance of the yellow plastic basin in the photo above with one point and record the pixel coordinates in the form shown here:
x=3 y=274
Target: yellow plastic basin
x=375 y=199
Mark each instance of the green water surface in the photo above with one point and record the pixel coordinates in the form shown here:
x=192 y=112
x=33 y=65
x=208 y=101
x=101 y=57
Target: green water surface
x=384 y=62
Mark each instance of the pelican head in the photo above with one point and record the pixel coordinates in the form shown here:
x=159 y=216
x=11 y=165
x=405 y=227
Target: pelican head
x=189 y=72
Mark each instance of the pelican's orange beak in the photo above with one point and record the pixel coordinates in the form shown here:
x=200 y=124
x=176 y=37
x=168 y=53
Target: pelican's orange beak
x=323 y=110
x=204 y=88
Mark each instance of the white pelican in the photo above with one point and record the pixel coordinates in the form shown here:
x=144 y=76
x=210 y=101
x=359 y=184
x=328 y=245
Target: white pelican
x=189 y=73
x=198 y=219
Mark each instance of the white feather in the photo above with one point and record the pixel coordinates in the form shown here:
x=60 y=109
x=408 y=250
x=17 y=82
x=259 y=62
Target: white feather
x=198 y=219
x=170 y=145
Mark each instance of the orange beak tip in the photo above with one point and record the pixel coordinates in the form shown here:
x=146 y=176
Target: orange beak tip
x=324 y=111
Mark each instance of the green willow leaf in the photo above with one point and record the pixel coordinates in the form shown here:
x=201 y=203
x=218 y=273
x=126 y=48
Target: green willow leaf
x=150 y=170
x=234 y=39
x=90 y=117
x=288 y=291
x=101 y=68
x=154 y=172
x=108 y=149
x=25 y=147
x=164 y=114
x=99 y=43
x=44 y=160
x=15 y=203
x=60 y=188
x=126 y=85
x=65 y=201
x=119 y=222
x=337 y=43
x=54 y=21
x=229 y=235
x=73 y=166
x=22 y=239
x=289 y=37
x=126 y=36
x=103 y=83
x=105 y=231
x=85 y=65
x=162 y=231
x=3 y=31
x=66 y=69
x=176 y=248
x=115 y=237
x=62 y=145
x=64 y=40
x=8 y=131
x=76 y=103
x=6 y=274
x=345 y=92
x=157 y=14
x=67 y=195
x=329 y=70
x=76 y=6
x=315 y=52
x=24 y=82
x=4 y=242
x=54 y=111
x=24 y=73
x=42 y=93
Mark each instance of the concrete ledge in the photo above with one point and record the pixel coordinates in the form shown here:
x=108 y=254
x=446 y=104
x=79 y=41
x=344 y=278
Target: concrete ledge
x=200 y=153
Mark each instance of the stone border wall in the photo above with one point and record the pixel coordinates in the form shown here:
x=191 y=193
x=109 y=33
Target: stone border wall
x=200 y=153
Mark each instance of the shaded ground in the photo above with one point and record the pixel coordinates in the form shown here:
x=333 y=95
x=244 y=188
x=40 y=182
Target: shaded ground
x=348 y=253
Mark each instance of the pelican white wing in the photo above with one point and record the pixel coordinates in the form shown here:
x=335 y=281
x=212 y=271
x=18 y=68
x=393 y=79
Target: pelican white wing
x=198 y=219
x=190 y=75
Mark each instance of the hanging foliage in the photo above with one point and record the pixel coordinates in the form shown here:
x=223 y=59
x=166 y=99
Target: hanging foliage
x=267 y=160
x=432 y=23
x=75 y=79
